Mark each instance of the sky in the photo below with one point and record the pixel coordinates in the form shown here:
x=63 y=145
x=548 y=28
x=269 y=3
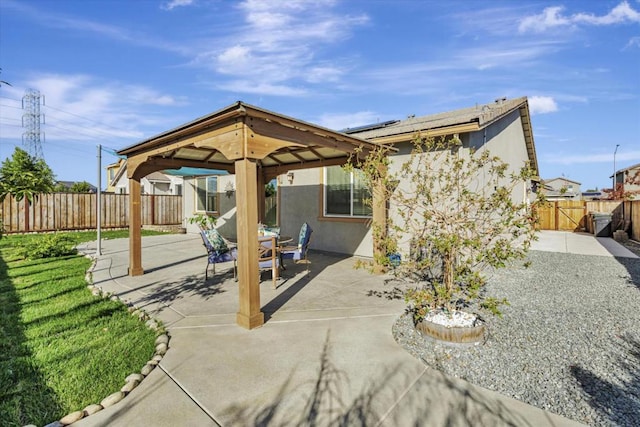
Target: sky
x=115 y=72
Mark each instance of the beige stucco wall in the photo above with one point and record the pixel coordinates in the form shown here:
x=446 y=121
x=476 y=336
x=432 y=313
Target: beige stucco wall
x=302 y=202
x=227 y=214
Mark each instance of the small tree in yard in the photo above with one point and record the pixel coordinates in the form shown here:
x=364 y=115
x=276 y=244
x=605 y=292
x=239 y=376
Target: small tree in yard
x=24 y=176
x=80 y=187
x=452 y=216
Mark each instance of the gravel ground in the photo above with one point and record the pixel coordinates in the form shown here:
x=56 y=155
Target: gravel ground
x=569 y=342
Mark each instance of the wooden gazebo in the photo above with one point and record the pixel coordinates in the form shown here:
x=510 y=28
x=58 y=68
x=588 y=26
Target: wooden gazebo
x=254 y=144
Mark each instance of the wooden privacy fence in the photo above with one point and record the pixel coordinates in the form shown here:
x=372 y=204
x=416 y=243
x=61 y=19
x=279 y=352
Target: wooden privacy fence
x=77 y=211
x=568 y=215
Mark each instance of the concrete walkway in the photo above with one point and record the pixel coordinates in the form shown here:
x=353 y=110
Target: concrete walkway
x=325 y=354
x=580 y=243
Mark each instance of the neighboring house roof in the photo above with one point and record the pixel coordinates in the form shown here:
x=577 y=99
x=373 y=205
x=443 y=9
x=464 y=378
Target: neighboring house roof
x=561 y=178
x=636 y=166
x=458 y=121
x=157 y=177
x=119 y=173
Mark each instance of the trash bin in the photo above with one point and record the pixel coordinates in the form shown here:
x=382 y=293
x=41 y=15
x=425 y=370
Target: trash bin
x=602 y=224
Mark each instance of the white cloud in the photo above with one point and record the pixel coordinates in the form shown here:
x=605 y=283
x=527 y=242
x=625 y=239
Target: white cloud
x=506 y=54
x=619 y=14
x=277 y=47
x=261 y=88
x=82 y=109
x=561 y=158
x=552 y=17
x=170 y=5
x=549 y=18
x=542 y=105
x=633 y=43
x=341 y=121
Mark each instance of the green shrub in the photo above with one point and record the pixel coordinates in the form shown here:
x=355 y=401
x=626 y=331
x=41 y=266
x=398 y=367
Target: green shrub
x=47 y=246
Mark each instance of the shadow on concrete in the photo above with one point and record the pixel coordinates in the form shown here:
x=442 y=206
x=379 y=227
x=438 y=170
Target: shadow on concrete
x=394 y=397
x=299 y=277
x=178 y=262
x=184 y=287
x=618 y=402
x=395 y=289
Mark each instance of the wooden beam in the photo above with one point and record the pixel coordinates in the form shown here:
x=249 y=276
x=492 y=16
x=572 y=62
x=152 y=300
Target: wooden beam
x=260 y=146
x=302 y=137
x=273 y=171
x=178 y=163
x=135 y=226
x=249 y=315
x=227 y=140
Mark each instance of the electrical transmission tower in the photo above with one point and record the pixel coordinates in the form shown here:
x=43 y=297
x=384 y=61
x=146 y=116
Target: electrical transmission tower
x=31 y=121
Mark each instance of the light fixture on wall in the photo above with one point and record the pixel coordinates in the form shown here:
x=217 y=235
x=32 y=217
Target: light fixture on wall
x=290 y=177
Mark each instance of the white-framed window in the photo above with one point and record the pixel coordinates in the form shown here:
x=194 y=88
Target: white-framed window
x=345 y=193
x=207 y=194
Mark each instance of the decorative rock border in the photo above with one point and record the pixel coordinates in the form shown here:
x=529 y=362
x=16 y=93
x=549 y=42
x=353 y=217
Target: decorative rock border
x=132 y=380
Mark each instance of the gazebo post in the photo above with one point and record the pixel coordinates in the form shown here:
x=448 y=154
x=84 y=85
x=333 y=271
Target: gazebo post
x=261 y=196
x=135 y=224
x=249 y=315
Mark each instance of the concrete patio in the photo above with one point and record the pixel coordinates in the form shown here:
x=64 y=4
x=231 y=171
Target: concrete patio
x=325 y=355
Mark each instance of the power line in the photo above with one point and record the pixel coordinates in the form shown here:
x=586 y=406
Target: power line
x=84 y=118
x=72 y=114
x=10 y=106
x=82 y=127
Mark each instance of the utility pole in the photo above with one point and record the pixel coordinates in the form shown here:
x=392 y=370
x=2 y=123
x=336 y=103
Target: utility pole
x=99 y=203
x=614 y=167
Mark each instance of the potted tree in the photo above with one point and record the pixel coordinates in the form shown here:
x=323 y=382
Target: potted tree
x=452 y=217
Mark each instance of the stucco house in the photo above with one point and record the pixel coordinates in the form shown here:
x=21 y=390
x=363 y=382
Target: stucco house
x=628 y=181
x=156 y=183
x=561 y=188
x=332 y=201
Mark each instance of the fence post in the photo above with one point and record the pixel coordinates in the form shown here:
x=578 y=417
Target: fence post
x=153 y=209
x=26 y=214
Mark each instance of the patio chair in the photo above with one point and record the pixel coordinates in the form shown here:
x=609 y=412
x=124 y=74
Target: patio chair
x=299 y=253
x=217 y=251
x=268 y=258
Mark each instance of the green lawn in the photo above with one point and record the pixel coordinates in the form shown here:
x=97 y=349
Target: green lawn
x=61 y=348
